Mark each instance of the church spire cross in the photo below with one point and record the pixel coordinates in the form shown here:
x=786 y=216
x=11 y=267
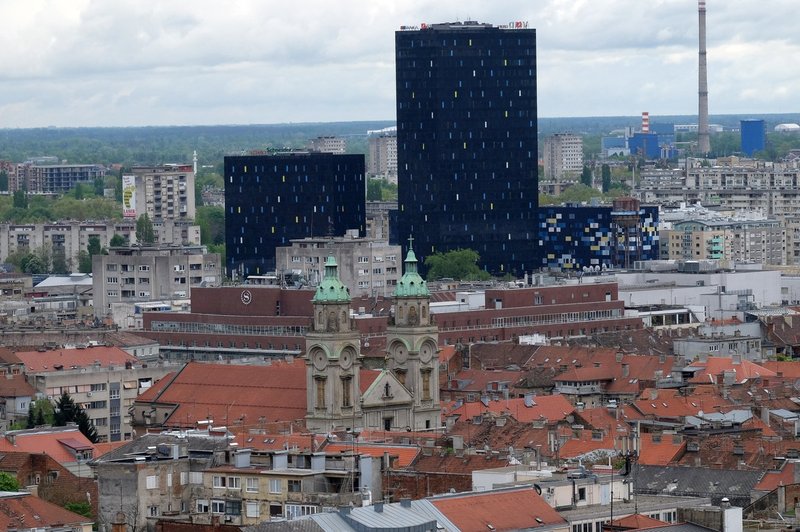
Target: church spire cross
x=410 y=241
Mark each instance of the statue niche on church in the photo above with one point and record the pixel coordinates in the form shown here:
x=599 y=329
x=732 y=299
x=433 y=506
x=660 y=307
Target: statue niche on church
x=413 y=319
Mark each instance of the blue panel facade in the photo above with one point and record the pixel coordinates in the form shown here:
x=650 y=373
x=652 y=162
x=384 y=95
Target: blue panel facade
x=467 y=142
x=754 y=136
x=272 y=199
x=573 y=237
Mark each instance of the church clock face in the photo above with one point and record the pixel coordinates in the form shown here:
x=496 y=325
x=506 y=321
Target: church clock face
x=399 y=353
x=347 y=357
x=319 y=359
x=426 y=352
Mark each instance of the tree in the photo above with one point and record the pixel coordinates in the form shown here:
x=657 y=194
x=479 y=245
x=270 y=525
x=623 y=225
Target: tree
x=20 y=199
x=8 y=482
x=68 y=411
x=81 y=508
x=606 y=172
x=211 y=220
x=93 y=247
x=84 y=262
x=78 y=191
x=459 y=264
x=374 y=190
x=117 y=240
x=586 y=176
x=144 y=230
x=60 y=263
x=99 y=187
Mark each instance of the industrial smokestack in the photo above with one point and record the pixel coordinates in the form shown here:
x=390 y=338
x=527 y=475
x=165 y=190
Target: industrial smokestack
x=703 y=142
x=645 y=122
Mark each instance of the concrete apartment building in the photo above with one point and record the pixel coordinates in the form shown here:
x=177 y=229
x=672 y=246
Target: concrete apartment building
x=328 y=144
x=563 y=156
x=145 y=273
x=164 y=192
x=71 y=237
x=47 y=176
x=382 y=155
x=103 y=380
x=368 y=266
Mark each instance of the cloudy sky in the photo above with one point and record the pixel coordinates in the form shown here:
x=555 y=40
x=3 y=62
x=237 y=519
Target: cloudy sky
x=175 y=62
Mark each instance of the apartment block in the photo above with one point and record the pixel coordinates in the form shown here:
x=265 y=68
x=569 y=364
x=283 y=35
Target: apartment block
x=145 y=273
x=53 y=178
x=328 y=144
x=163 y=192
x=368 y=266
x=382 y=157
x=563 y=156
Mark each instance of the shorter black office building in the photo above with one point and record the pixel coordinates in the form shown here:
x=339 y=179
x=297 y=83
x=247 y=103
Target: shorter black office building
x=273 y=198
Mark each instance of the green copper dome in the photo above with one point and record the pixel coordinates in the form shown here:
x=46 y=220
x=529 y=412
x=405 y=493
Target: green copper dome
x=411 y=284
x=331 y=289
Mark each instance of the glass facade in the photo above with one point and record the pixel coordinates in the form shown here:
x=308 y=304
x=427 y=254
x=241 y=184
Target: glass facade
x=272 y=199
x=467 y=142
x=576 y=237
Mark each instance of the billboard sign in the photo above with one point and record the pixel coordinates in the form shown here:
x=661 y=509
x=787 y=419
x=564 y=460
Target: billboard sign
x=129 y=196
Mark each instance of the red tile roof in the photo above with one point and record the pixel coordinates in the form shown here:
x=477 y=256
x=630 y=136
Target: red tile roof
x=48 y=441
x=583 y=374
x=406 y=454
x=106 y=447
x=24 y=511
x=46 y=361
x=366 y=377
x=277 y=442
x=790 y=369
x=513 y=509
x=228 y=393
x=446 y=353
x=15 y=386
x=714 y=367
x=670 y=403
x=586 y=442
x=479 y=380
x=773 y=479
x=637 y=522
x=604 y=419
x=548 y=408
x=659 y=451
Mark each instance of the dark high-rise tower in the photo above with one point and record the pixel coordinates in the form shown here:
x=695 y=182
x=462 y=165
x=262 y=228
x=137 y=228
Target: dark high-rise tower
x=271 y=199
x=466 y=142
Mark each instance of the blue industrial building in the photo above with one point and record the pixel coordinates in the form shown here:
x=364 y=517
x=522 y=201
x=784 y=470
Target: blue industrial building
x=754 y=136
x=271 y=199
x=467 y=153
x=645 y=145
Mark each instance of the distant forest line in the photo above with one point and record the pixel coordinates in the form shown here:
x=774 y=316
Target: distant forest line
x=159 y=144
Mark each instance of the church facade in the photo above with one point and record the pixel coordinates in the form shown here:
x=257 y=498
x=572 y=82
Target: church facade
x=404 y=395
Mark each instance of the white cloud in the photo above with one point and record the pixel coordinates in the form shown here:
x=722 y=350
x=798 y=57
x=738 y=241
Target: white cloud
x=126 y=62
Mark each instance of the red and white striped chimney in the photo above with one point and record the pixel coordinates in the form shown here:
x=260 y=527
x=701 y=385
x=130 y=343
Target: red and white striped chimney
x=645 y=122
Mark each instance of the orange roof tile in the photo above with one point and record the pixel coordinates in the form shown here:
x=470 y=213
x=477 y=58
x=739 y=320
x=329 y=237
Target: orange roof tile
x=15 y=386
x=790 y=369
x=585 y=374
x=714 y=367
x=24 y=511
x=549 y=408
x=106 y=447
x=48 y=441
x=513 y=509
x=479 y=380
x=660 y=451
x=586 y=443
x=230 y=393
x=277 y=442
x=446 y=353
x=637 y=522
x=773 y=479
x=46 y=361
x=670 y=403
x=603 y=419
x=406 y=454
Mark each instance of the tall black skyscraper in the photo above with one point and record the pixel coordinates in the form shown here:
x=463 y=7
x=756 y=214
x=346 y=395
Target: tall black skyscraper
x=466 y=142
x=271 y=199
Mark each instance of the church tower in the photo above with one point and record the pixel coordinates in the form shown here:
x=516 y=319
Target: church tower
x=412 y=345
x=333 y=358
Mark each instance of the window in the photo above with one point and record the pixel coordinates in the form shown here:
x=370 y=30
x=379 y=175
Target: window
x=154 y=511
x=233 y=507
x=195 y=477
x=320 y=399
x=112 y=280
x=114 y=393
x=293 y=511
x=252 y=486
x=218 y=481
x=169 y=480
x=252 y=509
x=295 y=486
x=274 y=485
x=234 y=483
x=184 y=478
x=144 y=268
x=152 y=482
x=98 y=387
x=217 y=507
x=347 y=384
x=581 y=494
